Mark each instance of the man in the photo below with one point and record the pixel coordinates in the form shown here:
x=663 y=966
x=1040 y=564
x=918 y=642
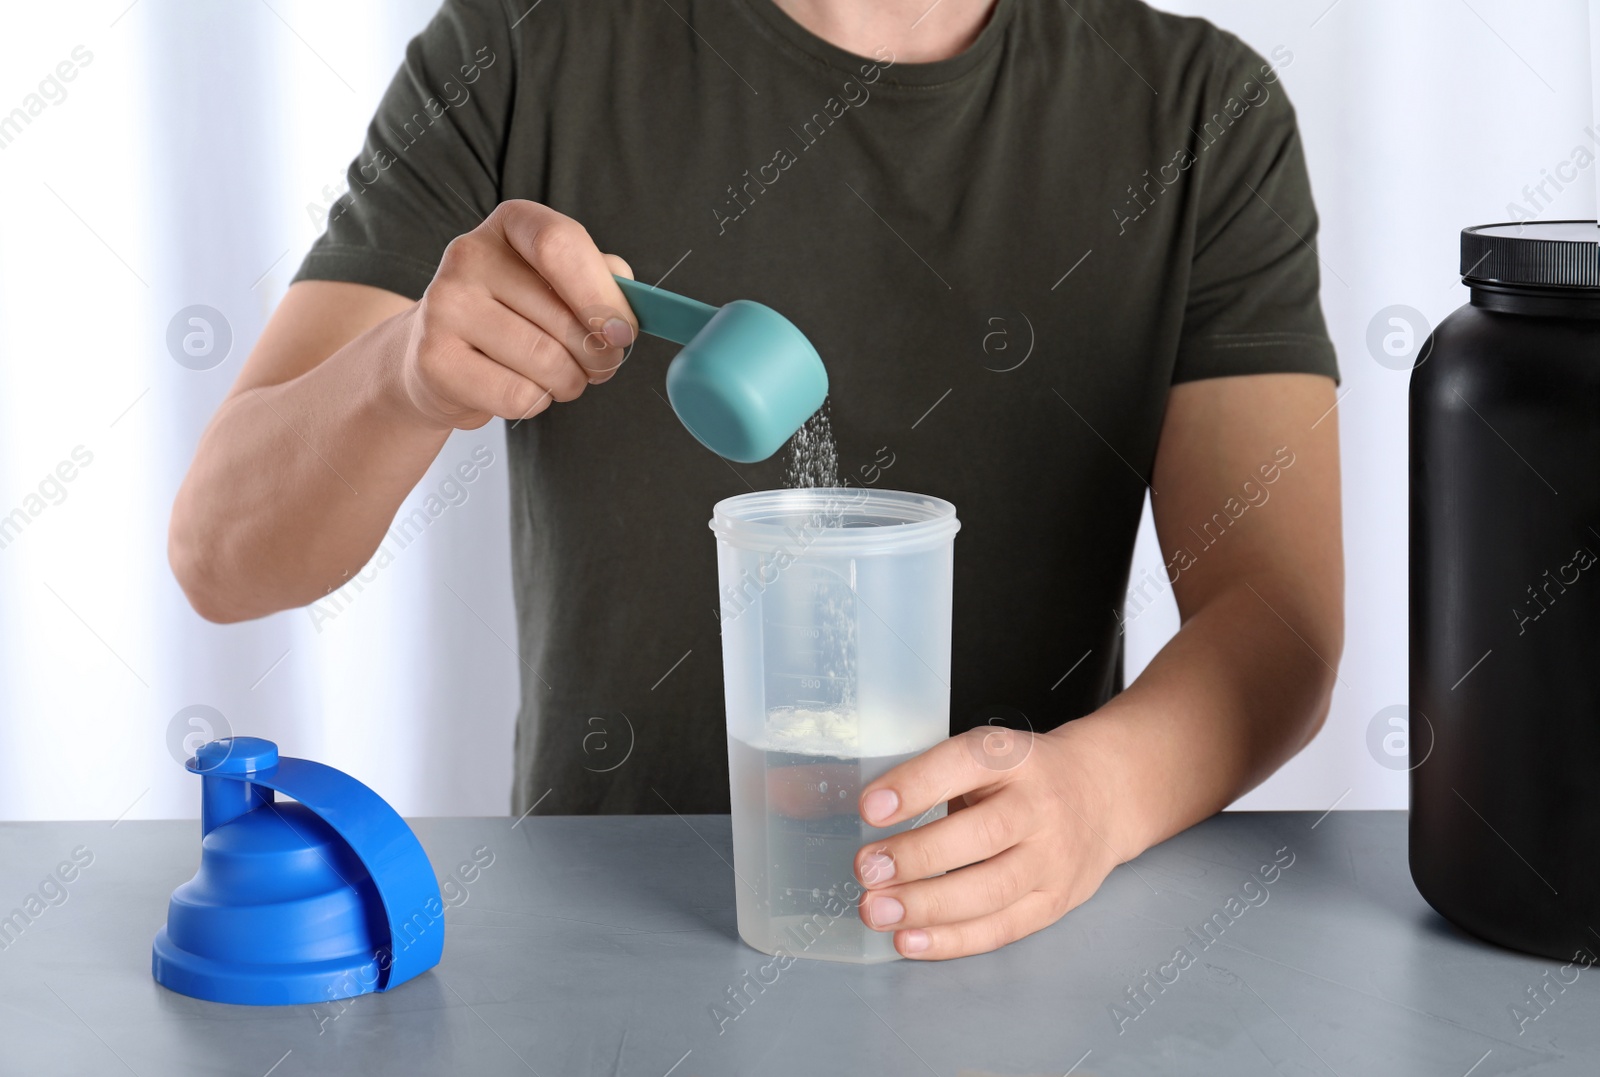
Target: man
x=1053 y=255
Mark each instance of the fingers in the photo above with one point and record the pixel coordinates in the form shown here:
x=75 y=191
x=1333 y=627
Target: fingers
x=505 y=278
x=965 y=837
x=508 y=278
x=471 y=381
x=510 y=338
x=984 y=933
x=528 y=292
x=950 y=768
x=961 y=895
x=560 y=251
x=618 y=266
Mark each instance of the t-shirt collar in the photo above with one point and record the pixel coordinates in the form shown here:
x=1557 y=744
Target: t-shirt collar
x=900 y=72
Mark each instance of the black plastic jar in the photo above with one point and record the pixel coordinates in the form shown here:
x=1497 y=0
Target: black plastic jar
x=1505 y=594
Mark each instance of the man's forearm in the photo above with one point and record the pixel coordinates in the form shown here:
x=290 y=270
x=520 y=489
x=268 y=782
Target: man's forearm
x=1243 y=686
x=293 y=485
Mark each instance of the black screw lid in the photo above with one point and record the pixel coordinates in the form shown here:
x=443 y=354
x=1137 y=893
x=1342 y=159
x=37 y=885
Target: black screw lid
x=1560 y=254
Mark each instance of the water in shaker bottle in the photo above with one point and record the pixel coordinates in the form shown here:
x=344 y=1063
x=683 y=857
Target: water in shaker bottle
x=836 y=616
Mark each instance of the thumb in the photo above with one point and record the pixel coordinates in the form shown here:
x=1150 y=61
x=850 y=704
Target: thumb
x=618 y=266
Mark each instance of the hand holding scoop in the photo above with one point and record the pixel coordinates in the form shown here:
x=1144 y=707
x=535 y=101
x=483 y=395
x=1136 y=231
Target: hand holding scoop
x=746 y=378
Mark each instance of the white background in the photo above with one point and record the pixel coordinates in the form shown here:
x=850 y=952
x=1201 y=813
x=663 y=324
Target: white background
x=178 y=171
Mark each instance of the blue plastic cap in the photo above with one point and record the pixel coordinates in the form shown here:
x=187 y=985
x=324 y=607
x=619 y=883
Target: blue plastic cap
x=303 y=902
x=234 y=755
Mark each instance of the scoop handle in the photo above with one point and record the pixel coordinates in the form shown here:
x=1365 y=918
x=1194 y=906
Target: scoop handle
x=665 y=314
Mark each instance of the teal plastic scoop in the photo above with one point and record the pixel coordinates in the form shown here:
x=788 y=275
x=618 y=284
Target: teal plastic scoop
x=746 y=378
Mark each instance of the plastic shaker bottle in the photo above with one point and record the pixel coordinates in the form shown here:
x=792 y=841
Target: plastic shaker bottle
x=835 y=612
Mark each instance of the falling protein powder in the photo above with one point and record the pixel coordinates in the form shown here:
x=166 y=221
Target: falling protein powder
x=811 y=462
x=812 y=459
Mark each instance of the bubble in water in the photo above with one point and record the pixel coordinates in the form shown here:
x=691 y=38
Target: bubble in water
x=822 y=787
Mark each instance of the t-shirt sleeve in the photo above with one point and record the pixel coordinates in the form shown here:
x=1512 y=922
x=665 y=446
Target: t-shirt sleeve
x=1253 y=305
x=429 y=169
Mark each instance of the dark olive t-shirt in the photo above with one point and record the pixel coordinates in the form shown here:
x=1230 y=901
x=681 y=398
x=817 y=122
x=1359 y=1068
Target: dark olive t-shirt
x=1005 y=259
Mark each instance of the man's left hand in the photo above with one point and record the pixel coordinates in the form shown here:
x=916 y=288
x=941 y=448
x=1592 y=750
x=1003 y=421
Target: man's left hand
x=1026 y=840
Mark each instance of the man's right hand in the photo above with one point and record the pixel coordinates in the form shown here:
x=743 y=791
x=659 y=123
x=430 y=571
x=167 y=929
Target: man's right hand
x=522 y=311
x=351 y=391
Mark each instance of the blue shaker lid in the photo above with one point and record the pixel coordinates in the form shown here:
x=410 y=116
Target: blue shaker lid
x=322 y=897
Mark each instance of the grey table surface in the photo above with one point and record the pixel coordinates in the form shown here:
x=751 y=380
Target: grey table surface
x=607 y=945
